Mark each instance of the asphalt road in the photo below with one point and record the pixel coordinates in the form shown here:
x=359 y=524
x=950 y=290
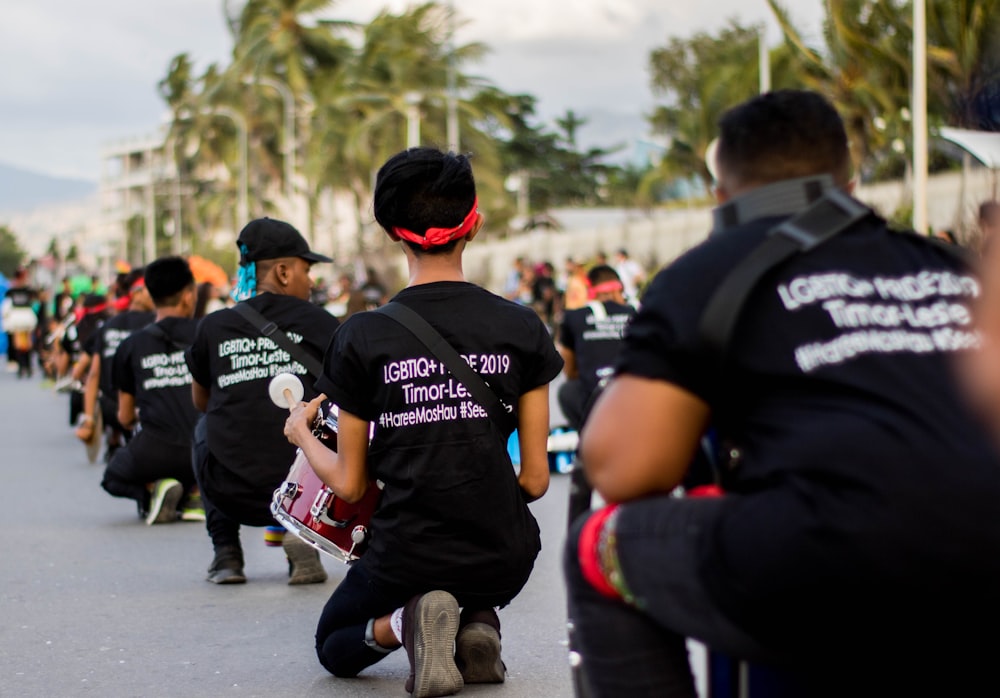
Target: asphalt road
x=95 y=603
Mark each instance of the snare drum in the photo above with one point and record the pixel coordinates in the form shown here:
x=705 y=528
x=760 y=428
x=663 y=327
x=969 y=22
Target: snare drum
x=310 y=509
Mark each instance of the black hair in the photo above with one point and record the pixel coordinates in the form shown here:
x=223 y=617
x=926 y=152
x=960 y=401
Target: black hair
x=133 y=276
x=166 y=278
x=783 y=135
x=423 y=188
x=601 y=274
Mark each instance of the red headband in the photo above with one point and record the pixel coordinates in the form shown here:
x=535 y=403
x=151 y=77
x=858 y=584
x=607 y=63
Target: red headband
x=606 y=287
x=441 y=236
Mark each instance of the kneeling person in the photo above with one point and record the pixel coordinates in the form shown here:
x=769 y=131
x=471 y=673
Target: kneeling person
x=154 y=397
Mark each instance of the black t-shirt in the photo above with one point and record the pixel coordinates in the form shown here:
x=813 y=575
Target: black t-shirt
x=866 y=494
x=595 y=338
x=452 y=515
x=235 y=362
x=76 y=339
x=21 y=296
x=152 y=368
x=105 y=341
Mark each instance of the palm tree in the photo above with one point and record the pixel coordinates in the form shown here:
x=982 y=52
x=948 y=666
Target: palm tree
x=698 y=79
x=964 y=61
x=863 y=68
x=284 y=42
x=361 y=117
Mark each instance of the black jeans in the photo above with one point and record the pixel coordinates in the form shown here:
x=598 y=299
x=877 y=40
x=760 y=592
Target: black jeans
x=223 y=525
x=148 y=457
x=641 y=649
x=340 y=633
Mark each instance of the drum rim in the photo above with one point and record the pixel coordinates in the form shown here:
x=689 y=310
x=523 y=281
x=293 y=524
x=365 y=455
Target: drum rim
x=307 y=535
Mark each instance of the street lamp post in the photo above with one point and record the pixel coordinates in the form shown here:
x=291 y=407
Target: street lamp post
x=241 y=127
x=452 y=97
x=412 y=100
x=290 y=144
x=919 y=110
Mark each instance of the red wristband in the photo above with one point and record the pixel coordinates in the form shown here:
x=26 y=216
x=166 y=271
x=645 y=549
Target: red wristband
x=589 y=554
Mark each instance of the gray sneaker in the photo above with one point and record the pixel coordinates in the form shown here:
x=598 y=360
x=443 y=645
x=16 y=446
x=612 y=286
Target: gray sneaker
x=304 y=566
x=163 y=502
x=430 y=623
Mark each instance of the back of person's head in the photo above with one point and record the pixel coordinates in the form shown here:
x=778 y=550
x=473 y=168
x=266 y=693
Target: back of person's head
x=602 y=274
x=427 y=198
x=167 y=278
x=132 y=278
x=782 y=135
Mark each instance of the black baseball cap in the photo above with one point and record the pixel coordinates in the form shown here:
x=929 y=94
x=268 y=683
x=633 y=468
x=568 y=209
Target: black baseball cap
x=267 y=238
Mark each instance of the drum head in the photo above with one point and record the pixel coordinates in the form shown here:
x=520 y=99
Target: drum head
x=94 y=445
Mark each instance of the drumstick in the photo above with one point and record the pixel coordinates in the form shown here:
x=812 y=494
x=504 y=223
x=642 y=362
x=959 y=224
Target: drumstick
x=285 y=390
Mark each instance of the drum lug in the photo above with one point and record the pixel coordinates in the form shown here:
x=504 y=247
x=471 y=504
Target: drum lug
x=358 y=535
x=321 y=503
x=289 y=489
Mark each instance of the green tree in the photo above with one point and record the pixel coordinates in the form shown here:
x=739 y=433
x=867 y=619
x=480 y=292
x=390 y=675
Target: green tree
x=964 y=61
x=12 y=255
x=863 y=67
x=698 y=78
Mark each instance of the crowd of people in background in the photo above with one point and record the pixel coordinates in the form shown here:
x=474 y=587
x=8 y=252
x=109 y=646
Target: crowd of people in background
x=537 y=283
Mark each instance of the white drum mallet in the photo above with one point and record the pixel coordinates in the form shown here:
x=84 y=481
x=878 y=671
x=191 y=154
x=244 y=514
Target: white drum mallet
x=286 y=390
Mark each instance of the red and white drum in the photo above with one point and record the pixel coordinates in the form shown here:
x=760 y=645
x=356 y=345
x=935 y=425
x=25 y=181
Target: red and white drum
x=310 y=509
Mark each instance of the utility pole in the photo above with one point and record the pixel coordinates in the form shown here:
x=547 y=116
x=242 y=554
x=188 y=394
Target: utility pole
x=919 y=109
x=452 y=97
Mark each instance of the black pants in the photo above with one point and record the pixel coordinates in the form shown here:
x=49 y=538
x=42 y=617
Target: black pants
x=222 y=521
x=340 y=633
x=573 y=401
x=147 y=457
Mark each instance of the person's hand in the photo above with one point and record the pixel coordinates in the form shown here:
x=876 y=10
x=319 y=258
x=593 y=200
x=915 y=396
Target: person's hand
x=85 y=432
x=298 y=426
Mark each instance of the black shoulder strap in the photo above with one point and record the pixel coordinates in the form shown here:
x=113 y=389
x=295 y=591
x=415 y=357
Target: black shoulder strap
x=447 y=354
x=831 y=214
x=161 y=334
x=273 y=332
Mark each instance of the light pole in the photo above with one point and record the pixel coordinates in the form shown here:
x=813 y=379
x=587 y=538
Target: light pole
x=241 y=127
x=452 y=121
x=290 y=143
x=919 y=111
x=412 y=100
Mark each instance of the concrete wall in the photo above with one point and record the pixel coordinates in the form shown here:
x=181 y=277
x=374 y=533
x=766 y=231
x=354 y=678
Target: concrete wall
x=657 y=238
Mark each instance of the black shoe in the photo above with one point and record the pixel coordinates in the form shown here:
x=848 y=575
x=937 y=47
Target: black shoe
x=477 y=654
x=227 y=567
x=430 y=623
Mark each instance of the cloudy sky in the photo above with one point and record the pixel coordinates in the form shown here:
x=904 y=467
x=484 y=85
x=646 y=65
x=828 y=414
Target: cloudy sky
x=78 y=75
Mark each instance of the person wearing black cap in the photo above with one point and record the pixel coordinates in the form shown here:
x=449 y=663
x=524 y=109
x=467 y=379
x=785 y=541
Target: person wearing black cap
x=241 y=456
x=452 y=529
x=154 y=399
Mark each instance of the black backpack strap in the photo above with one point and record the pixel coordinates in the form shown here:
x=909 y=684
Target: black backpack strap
x=831 y=214
x=161 y=334
x=273 y=332
x=422 y=330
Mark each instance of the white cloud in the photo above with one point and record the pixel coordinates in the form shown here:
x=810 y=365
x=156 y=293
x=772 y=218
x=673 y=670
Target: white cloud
x=77 y=74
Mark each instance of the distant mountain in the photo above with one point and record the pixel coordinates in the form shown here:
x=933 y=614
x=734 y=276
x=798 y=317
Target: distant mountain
x=21 y=190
